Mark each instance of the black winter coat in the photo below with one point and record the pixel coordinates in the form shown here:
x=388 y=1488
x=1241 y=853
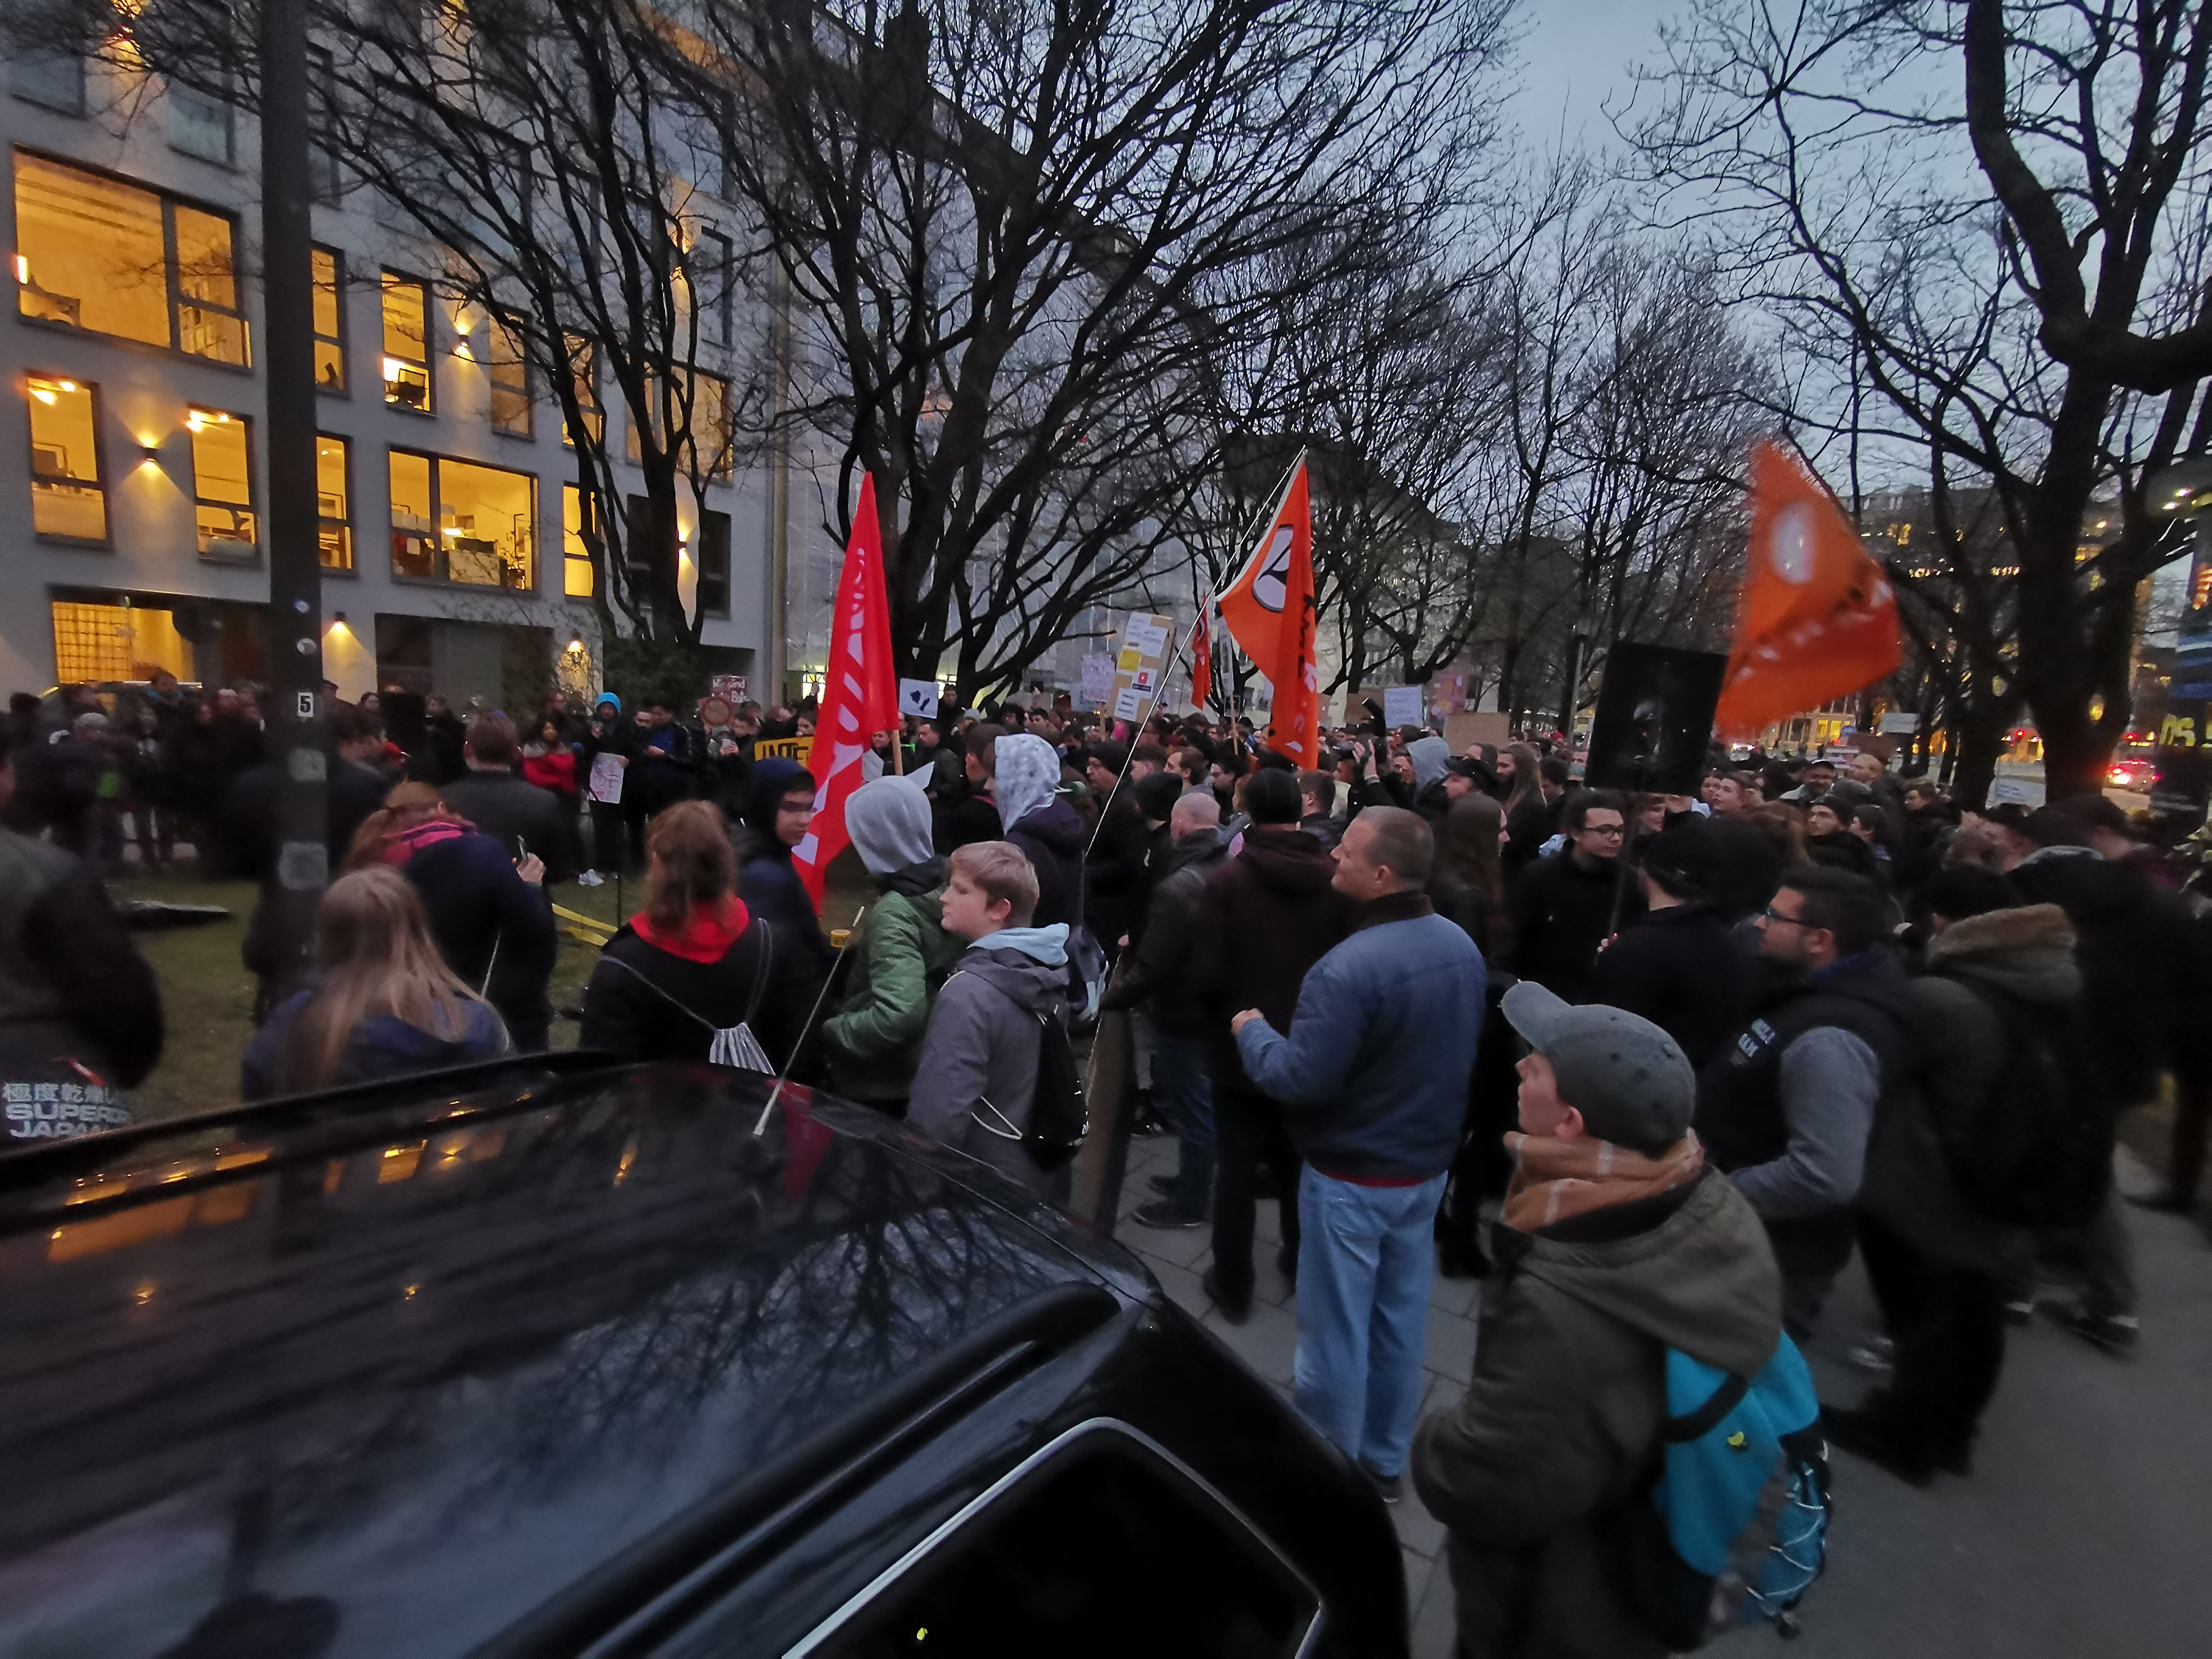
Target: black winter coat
x=1557 y=913
x=645 y=1003
x=1266 y=917
x=1687 y=971
x=518 y=816
x=1153 y=969
x=494 y=929
x=1053 y=836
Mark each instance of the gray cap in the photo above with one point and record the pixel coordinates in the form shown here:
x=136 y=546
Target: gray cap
x=1630 y=1080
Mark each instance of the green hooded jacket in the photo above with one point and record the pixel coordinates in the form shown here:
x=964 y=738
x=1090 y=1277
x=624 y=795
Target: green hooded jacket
x=901 y=957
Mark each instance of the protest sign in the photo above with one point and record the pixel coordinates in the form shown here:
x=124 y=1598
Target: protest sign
x=607 y=778
x=918 y=698
x=1139 y=664
x=1401 y=705
x=1097 y=679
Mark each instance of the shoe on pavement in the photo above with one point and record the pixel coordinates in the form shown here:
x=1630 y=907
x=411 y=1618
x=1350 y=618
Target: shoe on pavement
x=2116 y=1333
x=1165 y=1214
x=1235 y=1310
x=1390 y=1487
x=591 y=878
x=1865 y=1435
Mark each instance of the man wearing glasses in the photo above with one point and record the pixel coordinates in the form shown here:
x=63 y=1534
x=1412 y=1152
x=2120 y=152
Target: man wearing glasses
x=1785 y=1109
x=1563 y=909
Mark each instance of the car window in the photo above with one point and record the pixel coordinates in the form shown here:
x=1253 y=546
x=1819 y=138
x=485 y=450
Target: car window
x=1104 y=1549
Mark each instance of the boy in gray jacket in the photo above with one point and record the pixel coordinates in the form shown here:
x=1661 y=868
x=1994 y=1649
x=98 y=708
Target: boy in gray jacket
x=979 y=1063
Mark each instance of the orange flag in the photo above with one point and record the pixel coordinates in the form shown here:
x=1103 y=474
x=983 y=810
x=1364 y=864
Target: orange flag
x=1202 y=654
x=1270 y=611
x=1818 y=618
x=859 y=692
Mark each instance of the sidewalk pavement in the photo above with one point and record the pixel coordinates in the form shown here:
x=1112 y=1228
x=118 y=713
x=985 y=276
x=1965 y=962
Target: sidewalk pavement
x=2080 y=1532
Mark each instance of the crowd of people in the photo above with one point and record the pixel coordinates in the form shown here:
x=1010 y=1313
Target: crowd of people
x=1655 y=1067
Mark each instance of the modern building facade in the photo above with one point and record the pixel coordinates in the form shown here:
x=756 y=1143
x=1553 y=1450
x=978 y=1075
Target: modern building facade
x=132 y=452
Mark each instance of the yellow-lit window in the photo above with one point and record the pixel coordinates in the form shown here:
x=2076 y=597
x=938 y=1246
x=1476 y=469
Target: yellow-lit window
x=333 y=497
x=67 y=498
x=407 y=342
x=208 y=322
x=329 y=320
x=90 y=251
x=222 y=482
x=708 y=435
x=96 y=641
x=584 y=374
x=576 y=555
x=510 y=370
x=462 y=522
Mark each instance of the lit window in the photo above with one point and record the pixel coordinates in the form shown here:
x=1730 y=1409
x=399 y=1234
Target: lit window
x=584 y=374
x=333 y=523
x=329 y=320
x=459 y=521
x=67 y=498
x=96 y=641
x=406 y=341
x=509 y=368
x=222 y=482
x=575 y=552
x=710 y=438
x=96 y=253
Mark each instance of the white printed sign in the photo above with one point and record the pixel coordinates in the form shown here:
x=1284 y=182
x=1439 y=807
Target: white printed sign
x=607 y=778
x=918 y=698
x=2018 y=790
x=1401 y=705
x=1129 y=705
x=1138 y=664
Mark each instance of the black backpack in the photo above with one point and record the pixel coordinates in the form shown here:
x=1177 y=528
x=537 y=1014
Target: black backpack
x=1059 y=1115
x=2036 y=1151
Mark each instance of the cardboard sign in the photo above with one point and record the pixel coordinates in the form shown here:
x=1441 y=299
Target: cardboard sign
x=1401 y=705
x=783 y=749
x=1139 y=664
x=918 y=698
x=730 y=687
x=607 y=778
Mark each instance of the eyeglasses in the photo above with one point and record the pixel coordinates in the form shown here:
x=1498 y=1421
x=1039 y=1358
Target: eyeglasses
x=1770 y=913
x=1609 y=830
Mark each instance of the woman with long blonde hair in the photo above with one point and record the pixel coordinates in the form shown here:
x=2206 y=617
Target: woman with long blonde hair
x=384 y=1003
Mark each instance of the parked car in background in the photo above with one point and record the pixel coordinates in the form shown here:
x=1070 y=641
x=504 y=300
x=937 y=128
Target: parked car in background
x=546 y=1357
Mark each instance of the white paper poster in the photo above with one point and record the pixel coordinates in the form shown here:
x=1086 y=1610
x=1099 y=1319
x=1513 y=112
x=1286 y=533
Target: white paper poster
x=1401 y=705
x=1138 y=664
x=918 y=698
x=606 y=777
x=1129 y=705
x=1097 y=678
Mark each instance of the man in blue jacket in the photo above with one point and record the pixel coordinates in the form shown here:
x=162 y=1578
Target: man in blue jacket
x=1373 y=1079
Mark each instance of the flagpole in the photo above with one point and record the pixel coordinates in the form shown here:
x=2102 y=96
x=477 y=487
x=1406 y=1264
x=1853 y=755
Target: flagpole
x=1282 y=494
x=1166 y=672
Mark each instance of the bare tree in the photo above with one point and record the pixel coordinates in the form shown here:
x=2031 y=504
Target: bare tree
x=1856 y=217
x=1025 y=237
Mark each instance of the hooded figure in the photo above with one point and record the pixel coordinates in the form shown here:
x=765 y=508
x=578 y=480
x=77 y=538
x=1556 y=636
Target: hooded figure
x=767 y=879
x=901 y=954
x=982 y=1048
x=1430 y=756
x=1042 y=825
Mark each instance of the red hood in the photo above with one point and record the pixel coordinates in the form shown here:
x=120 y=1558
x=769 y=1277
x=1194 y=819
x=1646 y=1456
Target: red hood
x=707 y=933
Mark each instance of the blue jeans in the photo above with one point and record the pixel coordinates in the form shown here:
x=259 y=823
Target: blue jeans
x=1365 y=1258
x=1185 y=1096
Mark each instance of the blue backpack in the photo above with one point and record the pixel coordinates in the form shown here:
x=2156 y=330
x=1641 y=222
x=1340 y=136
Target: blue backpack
x=1733 y=1527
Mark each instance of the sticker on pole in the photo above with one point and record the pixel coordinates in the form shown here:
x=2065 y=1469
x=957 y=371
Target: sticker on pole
x=306 y=705
x=918 y=698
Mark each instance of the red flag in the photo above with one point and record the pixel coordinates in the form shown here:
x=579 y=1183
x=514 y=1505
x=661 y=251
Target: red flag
x=1817 y=619
x=1202 y=654
x=1269 y=608
x=859 y=692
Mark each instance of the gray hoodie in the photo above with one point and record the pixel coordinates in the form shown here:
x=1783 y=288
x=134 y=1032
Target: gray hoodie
x=978 y=1072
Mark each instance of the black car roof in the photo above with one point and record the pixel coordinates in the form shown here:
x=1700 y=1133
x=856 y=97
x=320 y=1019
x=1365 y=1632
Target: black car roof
x=441 y=1354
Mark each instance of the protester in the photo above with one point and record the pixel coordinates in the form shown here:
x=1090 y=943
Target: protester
x=695 y=962
x=613 y=849
x=968 y=812
x=1266 y=917
x=1682 y=966
x=978 y=1080
x=1317 y=809
x=1153 y=974
x=779 y=812
x=1372 y=1076
x=1561 y=910
x=1115 y=867
x=1025 y=782
x=901 y=954
x=1618 y=1243
x=1468 y=881
x=1934 y=1262
x=1786 y=1109
x=384 y=1004
x=488 y=914
x=80 y=1009
x=1529 y=813
x=520 y=816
